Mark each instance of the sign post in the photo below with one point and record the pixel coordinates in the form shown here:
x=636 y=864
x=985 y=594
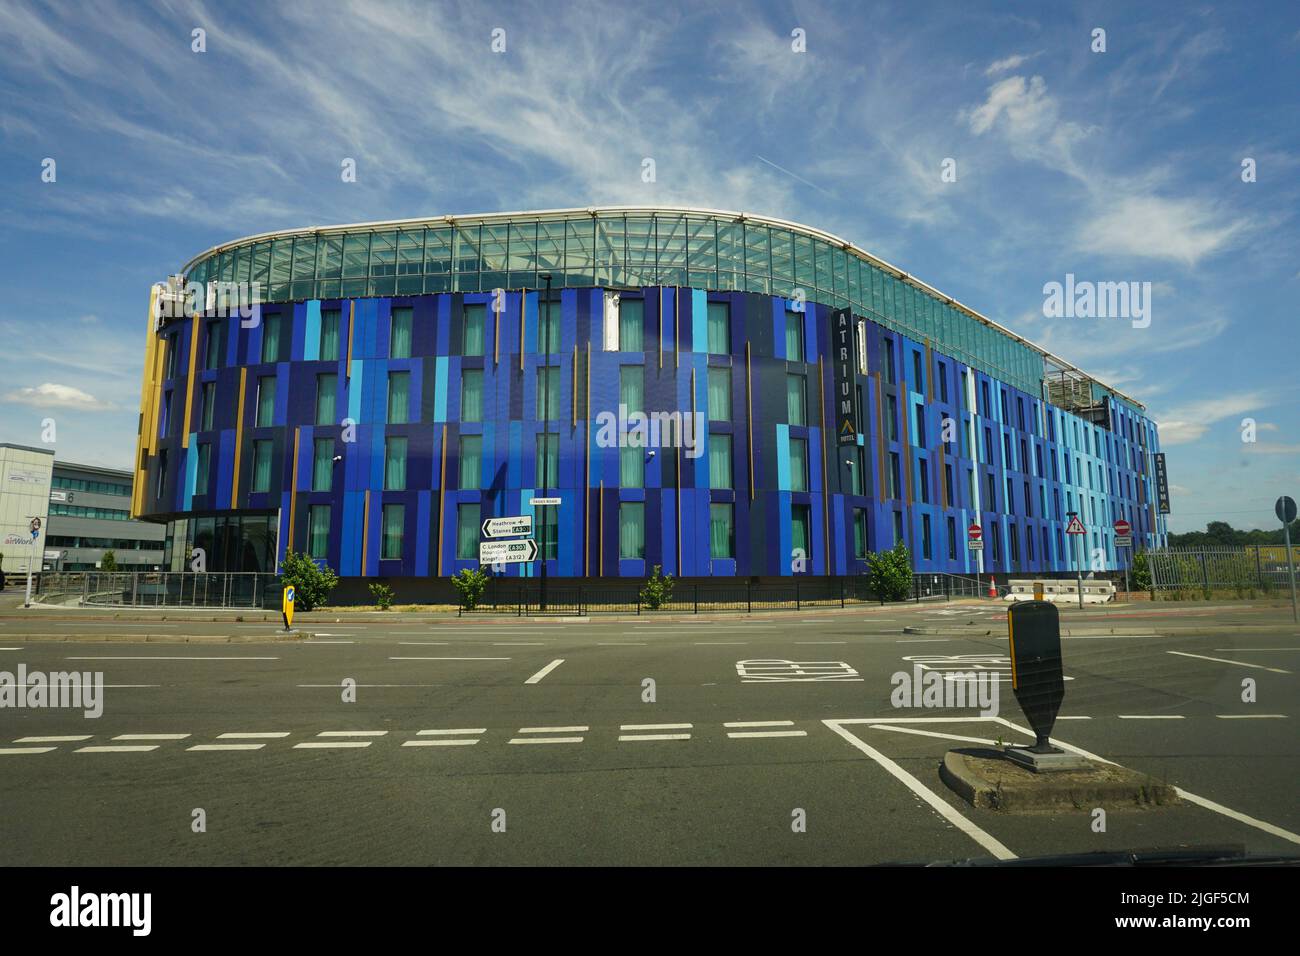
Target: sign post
x=1077 y=529
x=1124 y=539
x=1034 y=636
x=1286 y=511
x=35 y=527
x=975 y=542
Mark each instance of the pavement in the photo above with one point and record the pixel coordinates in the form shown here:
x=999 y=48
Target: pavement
x=406 y=738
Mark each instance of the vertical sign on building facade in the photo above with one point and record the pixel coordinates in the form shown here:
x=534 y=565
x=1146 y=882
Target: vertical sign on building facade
x=843 y=349
x=1162 y=483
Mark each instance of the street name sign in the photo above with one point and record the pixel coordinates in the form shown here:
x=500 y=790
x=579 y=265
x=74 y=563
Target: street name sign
x=543 y=501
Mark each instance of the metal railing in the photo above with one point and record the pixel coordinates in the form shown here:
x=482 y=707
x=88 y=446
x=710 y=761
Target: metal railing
x=1245 y=568
x=164 y=588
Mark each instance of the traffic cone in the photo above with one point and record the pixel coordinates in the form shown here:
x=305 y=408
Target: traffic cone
x=993 y=589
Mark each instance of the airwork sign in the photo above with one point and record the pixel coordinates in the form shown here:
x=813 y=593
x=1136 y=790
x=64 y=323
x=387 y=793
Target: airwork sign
x=842 y=353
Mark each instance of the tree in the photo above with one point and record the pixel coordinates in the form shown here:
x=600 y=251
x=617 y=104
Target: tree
x=312 y=582
x=889 y=573
x=108 y=562
x=470 y=583
x=658 y=591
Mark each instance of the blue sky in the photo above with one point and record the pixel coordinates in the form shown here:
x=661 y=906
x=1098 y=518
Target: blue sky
x=1117 y=166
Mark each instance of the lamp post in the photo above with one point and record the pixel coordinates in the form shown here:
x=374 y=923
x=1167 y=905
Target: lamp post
x=546 y=431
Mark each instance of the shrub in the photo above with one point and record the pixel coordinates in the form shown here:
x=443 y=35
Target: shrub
x=1141 y=573
x=312 y=582
x=470 y=583
x=383 y=595
x=889 y=573
x=658 y=591
x=108 y=562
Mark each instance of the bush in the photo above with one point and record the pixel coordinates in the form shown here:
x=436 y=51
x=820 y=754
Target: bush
x=312 y=582
x=470 y=583
x=658 y=591
x=889 y=573
x=108 y=562
x=1140 y=576
x=383 y=595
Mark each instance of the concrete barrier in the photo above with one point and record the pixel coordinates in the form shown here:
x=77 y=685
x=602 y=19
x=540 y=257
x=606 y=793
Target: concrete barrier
x=1094 y=592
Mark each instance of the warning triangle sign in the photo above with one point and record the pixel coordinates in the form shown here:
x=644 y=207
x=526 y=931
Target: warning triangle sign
x=1076 y=526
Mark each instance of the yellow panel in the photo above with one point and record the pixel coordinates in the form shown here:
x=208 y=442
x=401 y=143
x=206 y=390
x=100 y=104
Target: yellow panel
x=189 y=383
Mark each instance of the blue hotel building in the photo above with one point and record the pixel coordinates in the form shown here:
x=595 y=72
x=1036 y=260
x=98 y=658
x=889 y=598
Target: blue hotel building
x=398 y=382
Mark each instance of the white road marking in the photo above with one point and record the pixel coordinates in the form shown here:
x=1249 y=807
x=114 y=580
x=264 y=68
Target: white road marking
x=545 y=740
x=1221 y=660
x=1250 y=716
x=254 y=735
x=116 y=657
x=449 y=658
x=450 y=733
x=14 y=751
x=629 y=737
x=620 y=643
x=352 y=733
x=1149 y=716
x=767 y=733
x=553 y=730
x=655 y=726
x=936 y=802
x=116 y=749
x=894 y=728
x=1073 y=718
x=821 y=642
x=329 y=642
x=151 y=736
x=10 y=648
x=226 y=747
x=1217 y=648
x=53 y=740
x=760 y=723
x=322 y=744
x=438 y=743
x=537 y=678
x=336 y=686
x=720 y=643
x=425 y=643
x=519 y=644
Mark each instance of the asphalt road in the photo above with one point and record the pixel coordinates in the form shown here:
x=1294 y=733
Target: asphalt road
x=467 y=743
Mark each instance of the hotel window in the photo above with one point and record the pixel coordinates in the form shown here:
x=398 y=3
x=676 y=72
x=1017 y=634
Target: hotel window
x=160 y=476
x=943 y=382
x=794 y=336
x=631 y=530
x=1006 y=416
x=1007 y=461
x=719 y=394
x=795 y=387
x=266 y=400
x=631 y=324
x=722 y=534
x=399 y=397
x=329 y=334
x=898 y=526
x=322 y=464
x=858 y=472
x=271 y=338
x=988 y=445
x=471 y=395
x=399 y=338
x=984 y=394
x=798 y=464
x=992 y=503
x=262 y=465
x=920 y=426
x=467 y=531
x=1020 y=413
x=1013 y=541
x=395 y=464
x=892 y=405
x=925 y=480
x=997 y=542
x=890 y=375
x=394 y=518
x=720 y=461
x=327 y=387
x=1038 y=460
x=927 y=551
x=800 y=530
x=1029 y=542
x=949 y=492
x=548 y=393
x=961 y=396
x=318 y=530
x=548 y=460
x=952 y=539
x=201 y=471
x=719 y=328
x=859 y=532
x=893 y=475
x=548 y=326
x=1029 y=505
x=209 y=406
x=474 y=333
x=631 y=387
x=918 y=376
x=173 y=354
x=471 y=460
x=212 y=358
x=631 y=467
x=548 y=535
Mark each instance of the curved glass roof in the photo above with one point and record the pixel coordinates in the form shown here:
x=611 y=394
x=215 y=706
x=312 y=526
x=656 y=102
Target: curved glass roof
x=621 y=246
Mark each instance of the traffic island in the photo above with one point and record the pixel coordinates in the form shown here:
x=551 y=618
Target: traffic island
x=988 y=779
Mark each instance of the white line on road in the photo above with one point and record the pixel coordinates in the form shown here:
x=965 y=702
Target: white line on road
x=1074 y=718
x=53 y=740
x=14 y=751
x=254 y=735
x=519 y=643
x=352 y=733
x=620 y=643
x=1221 y=660
x=226 y=747
x=451 y=733
x=115 y=657
x=720 y=643
x=151 y=736
x=10 y=648
x=116 y=749
x=1149 y=716
x=655 y=726
x=425 y=643
x=821 y=642
x=760 y=723
x=545 y=740
x=449 y=658
x=323 y=744
x=630 y=737
x=931 y=733
x=1234 y=649
x=313 y=641
x=767 y=733
x=553 y=730
x=1251 y=716
x=438 y=743
x=940 y=806
x=536 y=678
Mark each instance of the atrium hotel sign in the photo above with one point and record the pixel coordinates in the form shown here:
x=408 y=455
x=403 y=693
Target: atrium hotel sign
x=843 y=351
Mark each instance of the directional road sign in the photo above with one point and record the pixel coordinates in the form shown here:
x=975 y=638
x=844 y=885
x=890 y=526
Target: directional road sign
x=507 y=527
x=507 y=552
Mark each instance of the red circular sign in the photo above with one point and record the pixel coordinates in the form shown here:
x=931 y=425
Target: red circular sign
x=974 y=532
x=1122 y=527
